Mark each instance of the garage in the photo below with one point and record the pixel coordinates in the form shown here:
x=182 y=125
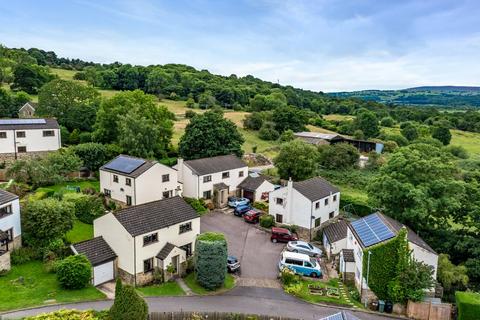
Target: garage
x=255 y=186
x=101 y=256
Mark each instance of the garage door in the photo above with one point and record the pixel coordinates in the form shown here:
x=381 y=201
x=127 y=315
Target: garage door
x=249 y=195
x=103 y=273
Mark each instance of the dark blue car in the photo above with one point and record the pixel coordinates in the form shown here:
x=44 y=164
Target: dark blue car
x=241 y=210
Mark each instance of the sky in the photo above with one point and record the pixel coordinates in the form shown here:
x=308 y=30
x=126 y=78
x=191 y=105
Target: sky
x=321 y=45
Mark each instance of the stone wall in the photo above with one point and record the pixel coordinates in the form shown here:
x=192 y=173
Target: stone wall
x=368 y=295
x=349 y=277
x=17 y=243
x=125 y=276
x=5 y=261
x=10 y=157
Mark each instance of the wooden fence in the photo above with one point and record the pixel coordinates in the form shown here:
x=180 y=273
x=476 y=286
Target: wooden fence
x=429 y=311
x=210 y=316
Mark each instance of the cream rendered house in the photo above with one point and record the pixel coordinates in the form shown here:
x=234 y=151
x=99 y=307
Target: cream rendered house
x=148 y=236
x=134 y=181
x=255 y=188
x=28 y=137
x=209 y=177
x=10 y=227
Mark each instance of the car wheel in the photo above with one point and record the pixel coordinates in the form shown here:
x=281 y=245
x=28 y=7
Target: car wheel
x=274 y=240
x=313 y=275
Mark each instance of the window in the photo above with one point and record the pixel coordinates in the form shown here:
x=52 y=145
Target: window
x=48 y=133
x=295 y=262
x=279 y=218
x=148 y=265
x=5 y=211
x=317 y=205
x=128 y=181
x=149 y=239
x=185 y=227
x=167 y=194
x=10 y=234
x=279 y=201
x=207 y=179
x=188 y=249
x=115 y=178
x=334 y=198
x=240 y=174
x=307 y=264
x=129 y=201
x=207 y=194
x=331 y=214
x=3 y=135
x=165 y=177
x=225 y=175
x=318 y=222
x=107 y=193
x=20 y=134
x=22 y=149
x=326 y=202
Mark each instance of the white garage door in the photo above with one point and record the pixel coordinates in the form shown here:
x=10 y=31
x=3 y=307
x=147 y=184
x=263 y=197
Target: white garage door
x=102 y=273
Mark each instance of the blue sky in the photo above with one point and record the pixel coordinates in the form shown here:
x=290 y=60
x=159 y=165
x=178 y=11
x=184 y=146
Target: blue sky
x=323 y=45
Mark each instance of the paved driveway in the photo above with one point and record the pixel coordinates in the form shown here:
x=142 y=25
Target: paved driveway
x=258 y=256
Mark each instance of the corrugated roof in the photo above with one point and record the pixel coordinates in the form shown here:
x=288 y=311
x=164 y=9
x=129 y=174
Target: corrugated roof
x=317 y=135
x=214 y=164
x=167 y=248
x=135 y=173
x=315 y=188
x=251 y=183
x=49 y=124
x=96 y=250
x=6 y=197
x=156 y=215
x=336 y=231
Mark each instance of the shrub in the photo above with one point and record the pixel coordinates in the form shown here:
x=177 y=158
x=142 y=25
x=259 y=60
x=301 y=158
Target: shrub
x=266 y=221
x=261 y=206
x=288 y=277
x=387 y=122
x=87 y=207
x=268 y=132
x=23 y=255
x=70 y=315
x=197 y=204
x=338 y=156
x=468 y=304
x=210 y=260
x=458 y=151
x=128 y=305
x=74 y=272
x=190 y=114
x=355 y=205
x=390 y=146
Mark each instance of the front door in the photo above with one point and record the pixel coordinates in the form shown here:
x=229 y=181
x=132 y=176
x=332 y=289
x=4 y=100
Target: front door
x=175 y=263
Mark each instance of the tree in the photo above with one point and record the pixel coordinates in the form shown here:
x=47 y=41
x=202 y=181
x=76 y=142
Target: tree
x=87 y=207
x=254 y=120
x=287 y=136
x=367 y=122
x=210 y=135
x=73 y=104
x=338 y=156
x=206 y=100
x=30 y=78
x=409 y=131
x=128 y=305
x=443 y=134
x=210 y=260
x=268 y=132
x=451 y=276
x=93 y=155
x=46 y=220
x=297 y=160
x=387 y=122
x=74 y=272
x=289 y=118
x=190 y=103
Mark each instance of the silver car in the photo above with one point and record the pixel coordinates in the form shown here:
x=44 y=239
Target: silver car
x=304 y=247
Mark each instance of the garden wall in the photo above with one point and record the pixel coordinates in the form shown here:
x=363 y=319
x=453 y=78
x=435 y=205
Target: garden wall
x=429 y=311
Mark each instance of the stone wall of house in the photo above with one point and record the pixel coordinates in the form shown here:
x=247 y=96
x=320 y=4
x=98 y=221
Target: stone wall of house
x=125 y=276
x=349 y=277
x=17 y=243
x=10 y=157
x=368 y=295
x=5 y=261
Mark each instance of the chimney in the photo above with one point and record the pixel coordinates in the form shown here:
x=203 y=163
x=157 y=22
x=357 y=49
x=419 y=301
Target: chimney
x=180 y=169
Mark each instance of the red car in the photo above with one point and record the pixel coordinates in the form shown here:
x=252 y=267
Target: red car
x=282 y=235
x=252 y=216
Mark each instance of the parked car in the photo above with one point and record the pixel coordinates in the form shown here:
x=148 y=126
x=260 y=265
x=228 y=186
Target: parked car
x=233 y=265
x=241 y=210
x=252 y=216
x=304 y=247
x=301 y=264
x=282 y=235
x=234 y=202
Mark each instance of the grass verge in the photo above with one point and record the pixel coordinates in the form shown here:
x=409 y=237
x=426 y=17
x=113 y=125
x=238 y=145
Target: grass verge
x=164 y=289
x=198 y=289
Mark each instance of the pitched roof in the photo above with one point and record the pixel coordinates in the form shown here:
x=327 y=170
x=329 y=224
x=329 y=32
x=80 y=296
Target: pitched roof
x=336 y=231
x=96 y=250
x=348 y=255
x=220 y=186
x=135 y=173
x=251 y=183
x=49 y=124
x=317 y=135
x=342 y=315
x=315 y=188
x=31 y=104
x=155 y=215
x=214 y=164
x=167 y=248
x=6 y=197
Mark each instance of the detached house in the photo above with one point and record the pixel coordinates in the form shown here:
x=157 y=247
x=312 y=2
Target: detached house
x=27 y=110
x=28 y=137
x=10 y=227
x=134 y=181
x=306 y=204
x=148 y=236
x=212 y=178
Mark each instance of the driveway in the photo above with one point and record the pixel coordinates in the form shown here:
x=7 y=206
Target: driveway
x=258 y=256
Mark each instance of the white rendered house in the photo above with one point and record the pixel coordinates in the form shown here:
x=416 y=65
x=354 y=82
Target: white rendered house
x=134 y=181
x=256 y=188
x=10 y=227
x=27 y=110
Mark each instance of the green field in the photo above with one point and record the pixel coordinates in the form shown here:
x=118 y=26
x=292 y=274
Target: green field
x=164 y=289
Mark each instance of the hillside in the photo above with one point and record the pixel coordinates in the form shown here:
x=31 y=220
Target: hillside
x=425 y=96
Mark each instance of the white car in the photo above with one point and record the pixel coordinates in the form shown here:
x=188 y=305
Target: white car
x=304 y=247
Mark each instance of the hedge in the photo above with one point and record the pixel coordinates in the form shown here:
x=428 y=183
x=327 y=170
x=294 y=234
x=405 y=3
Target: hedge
x=74 y=272
x=71 y=315
x=266 y=221
x=87 y=207
x=197 y=204
x=468 y=304
x=356 y=206
x=210 y=260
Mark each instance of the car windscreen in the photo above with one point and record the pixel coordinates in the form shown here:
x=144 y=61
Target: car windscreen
x=313 y=262
x=310 y=246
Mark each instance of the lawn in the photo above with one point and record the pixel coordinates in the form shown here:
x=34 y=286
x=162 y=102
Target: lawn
x=80 y=232
x=64 y=74
x=196 y=288
x=338 y=117
x=30 y=285
x=68 y=187
x=164 y=289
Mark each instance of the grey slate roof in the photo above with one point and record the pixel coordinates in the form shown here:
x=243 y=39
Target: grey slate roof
x=214 y=164
x=167 y=248
x=348 y=255
x=315 y=188
x=251 y=183
x=155 y=215
x=135 y=173
x=6 y=197
x=336 y=231
x=50 y=124
x=220 y=186
x=96 y=250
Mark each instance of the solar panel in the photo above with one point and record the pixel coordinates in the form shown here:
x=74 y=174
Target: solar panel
x=372 y=230
x=124 y=164
x=22 y=121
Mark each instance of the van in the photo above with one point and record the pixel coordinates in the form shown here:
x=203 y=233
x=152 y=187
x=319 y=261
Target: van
x=300 y=264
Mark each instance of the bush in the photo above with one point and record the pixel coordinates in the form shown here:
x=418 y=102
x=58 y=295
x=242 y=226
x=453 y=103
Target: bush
x=87 y=207
x=190 y=114
x=74 y=272
x=468 y=304
x=128 y=305
x=387 y=122
x=355 y=205
x=266 y=221
x=261 y=206
x=458 y=151
x=23 y=255
x=268 y=132
x=338 y=156
x=210 y=260
x=197 y=204
x=390 y=146
x=288 y=277
x=70 y=315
